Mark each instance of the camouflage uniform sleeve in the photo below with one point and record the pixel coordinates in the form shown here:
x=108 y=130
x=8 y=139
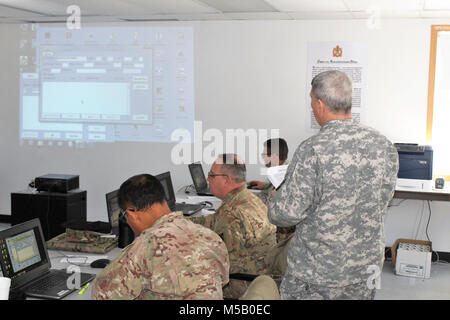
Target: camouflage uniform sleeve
x=206 y=221
x=230 y=232
x=294 y=198
x=265 y=194
x=390 y=176
x=123 y=278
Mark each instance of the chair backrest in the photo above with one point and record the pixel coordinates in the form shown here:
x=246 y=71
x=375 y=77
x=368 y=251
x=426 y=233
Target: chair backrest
x=262 y=288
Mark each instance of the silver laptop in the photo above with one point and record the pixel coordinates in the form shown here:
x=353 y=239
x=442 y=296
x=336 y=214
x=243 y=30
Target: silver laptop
x=187 y=208
x=198 y=177
x=24 y=259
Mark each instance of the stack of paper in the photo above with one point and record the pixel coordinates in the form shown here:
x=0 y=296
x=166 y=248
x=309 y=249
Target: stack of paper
x=275 y=174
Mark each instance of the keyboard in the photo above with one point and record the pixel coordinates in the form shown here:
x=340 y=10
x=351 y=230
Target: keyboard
x=50 y=281
x=187 y=208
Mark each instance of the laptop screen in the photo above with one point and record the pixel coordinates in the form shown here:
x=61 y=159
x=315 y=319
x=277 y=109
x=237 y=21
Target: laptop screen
x=166 y=182
x=112 y=205
x=198 y=177
x=22 y=252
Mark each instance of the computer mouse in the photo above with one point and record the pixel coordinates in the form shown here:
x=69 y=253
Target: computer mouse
x=100 y=263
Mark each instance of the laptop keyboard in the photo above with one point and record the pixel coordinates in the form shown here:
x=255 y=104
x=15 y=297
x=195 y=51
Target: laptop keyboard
x=50 y=281
x=187 y=206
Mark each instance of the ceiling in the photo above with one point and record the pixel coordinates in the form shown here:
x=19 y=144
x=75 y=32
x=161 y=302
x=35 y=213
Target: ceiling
x=14 y=11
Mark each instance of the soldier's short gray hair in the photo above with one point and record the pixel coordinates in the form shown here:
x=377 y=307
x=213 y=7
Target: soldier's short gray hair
x=233 y=166
x=334 y=88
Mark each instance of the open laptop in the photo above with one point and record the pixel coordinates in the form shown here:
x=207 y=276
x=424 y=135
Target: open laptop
x=198 y=177
x=112 y=206
x=187 y=208
x=24 y=259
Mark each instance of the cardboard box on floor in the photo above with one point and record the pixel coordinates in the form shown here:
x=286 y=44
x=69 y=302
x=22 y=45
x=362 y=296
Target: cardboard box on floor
x=412 y=263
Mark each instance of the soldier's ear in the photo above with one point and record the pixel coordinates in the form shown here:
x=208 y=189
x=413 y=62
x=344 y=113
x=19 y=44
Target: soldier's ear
x=132 y=212
x=321 y=105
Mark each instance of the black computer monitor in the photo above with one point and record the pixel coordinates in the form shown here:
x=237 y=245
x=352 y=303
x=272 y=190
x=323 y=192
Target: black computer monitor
x=112 y=205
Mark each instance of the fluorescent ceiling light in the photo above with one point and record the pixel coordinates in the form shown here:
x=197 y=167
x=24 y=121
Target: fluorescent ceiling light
x=437 y=5
x=41 y=6
x=239 y=5
x=384 y=5
x=308 y=5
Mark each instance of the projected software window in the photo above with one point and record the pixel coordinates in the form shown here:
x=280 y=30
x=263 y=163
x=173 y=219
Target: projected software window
x=104 y=85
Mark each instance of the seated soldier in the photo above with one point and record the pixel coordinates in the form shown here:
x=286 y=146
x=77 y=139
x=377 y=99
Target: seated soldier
x=275 y=153
x=171 y=257
x=241 y=221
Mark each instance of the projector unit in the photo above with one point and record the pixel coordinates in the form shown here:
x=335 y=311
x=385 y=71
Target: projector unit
x=57 y=182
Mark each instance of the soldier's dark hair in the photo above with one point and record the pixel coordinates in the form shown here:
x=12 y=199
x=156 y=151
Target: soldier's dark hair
x=334 y=88
x=233 y=166
x=141 y=191
x=277 y=146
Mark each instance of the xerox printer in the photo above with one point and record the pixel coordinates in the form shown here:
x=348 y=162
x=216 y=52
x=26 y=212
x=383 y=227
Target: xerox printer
x=415 y=161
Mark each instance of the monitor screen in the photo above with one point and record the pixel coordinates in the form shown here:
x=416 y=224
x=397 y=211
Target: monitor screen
x=166 y=182
x=22 y=250
x=198 y=176
x=112 y=205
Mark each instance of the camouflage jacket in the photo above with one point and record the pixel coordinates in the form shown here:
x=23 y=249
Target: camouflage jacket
x=336 y=191
x=173 y=259
x=265 y=193
x=241 y=221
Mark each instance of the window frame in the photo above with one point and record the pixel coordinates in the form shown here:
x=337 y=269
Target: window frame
x=435 y=29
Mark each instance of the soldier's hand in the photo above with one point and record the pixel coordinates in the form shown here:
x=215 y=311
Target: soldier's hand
x=254 y=184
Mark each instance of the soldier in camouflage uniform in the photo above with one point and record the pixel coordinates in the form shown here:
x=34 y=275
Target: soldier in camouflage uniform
x=241 y=221
x=275 y=153
x=336 y=191
x=171 y=257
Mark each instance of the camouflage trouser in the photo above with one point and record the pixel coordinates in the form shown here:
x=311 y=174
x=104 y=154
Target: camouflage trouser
x=306 y=291
x=276 y=258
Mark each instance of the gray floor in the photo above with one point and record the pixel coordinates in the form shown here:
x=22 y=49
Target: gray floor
x=395 y=287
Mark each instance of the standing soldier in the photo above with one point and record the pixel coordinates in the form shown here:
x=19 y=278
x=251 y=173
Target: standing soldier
x=336 y=191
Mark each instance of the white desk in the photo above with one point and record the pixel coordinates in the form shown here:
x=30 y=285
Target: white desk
x=56 y=256
x=421 y=190
x=192 y=197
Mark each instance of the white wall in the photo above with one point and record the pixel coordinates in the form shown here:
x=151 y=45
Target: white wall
x=248 y=74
